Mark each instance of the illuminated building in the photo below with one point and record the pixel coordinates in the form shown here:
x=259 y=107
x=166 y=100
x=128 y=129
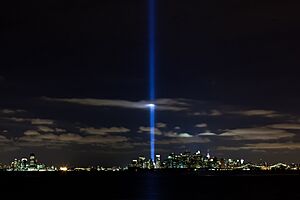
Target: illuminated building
x=64 y=169
x=24 y=164
x=134 y=163
x=185 y=160
x=141 y=162
x=32 y=161
x=157 y=161
x=208 y=155
x=30 y=164
x=242 y=161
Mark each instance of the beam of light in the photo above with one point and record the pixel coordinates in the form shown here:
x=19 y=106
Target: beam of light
x=152 y=48
x=152 y=132
x=151 y=32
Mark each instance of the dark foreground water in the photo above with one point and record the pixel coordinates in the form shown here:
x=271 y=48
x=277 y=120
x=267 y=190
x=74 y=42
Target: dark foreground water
x=149 y=185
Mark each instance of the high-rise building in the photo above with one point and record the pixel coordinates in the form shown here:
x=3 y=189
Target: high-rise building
x=171 y=161
x=32 y=161
x=208 y=155
x=14 y=164
x=157 y=161
x=24 y=164
x=141 y=162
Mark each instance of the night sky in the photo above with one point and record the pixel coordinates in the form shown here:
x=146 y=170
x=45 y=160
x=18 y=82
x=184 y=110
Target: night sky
x=74 y=80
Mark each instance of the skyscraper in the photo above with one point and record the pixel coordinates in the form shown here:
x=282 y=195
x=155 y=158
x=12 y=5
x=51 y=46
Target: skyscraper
x=24 y=164
x=32 y=161
x=157 y=161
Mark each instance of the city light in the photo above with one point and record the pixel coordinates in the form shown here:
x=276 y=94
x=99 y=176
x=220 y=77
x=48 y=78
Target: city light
x=64 y=169
x=198 y=161
x=184 y=160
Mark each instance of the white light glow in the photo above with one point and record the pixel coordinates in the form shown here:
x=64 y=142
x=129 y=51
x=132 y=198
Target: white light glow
x=63 y=169
x=151 y=105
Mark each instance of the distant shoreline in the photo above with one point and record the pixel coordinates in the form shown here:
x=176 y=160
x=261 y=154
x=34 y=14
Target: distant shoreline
x=161 y=172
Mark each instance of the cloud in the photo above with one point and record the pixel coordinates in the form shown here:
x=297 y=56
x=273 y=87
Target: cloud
x=215 y=113
x=45 y=129
x=17 y=119
x=185 y=135
x=7 y=144
x=101 y=139
x=177 y=127
x=285 y=126
x=3 y=139
x=172 y=134
x=161 y=104
x=202 y=125
x=263 y=146
x=31 y=133
x=42 y=121
x=266 y=146
x=121 y=146
x=182 y=140
x=161 y=125
x=104 y=131
x=10 y=111
x=212 y=112
x=171 y=104
x=233 y=111
x=60 y=130
x=207 y=134
x=262 y=113
x=260 y=133
x=175 y=134
x=35 y=121
x=35 y=138
x=143 y=129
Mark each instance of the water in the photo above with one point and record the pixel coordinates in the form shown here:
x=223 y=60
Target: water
x=150 y=186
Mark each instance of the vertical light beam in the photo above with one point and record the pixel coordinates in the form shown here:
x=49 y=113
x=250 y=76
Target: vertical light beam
x=152 y=132
x=151 y=30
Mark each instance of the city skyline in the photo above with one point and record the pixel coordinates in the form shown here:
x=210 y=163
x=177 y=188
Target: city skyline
x=196 y=161
x=75 y=80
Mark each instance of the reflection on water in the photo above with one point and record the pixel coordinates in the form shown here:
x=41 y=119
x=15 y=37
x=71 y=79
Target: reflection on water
x=152 y=186
x=147 y=186
x=151 y=191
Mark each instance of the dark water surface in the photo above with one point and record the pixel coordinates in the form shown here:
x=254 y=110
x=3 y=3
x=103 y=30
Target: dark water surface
x=150 y=185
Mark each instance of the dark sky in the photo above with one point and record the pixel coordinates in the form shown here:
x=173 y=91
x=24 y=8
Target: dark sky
x=74 y=79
